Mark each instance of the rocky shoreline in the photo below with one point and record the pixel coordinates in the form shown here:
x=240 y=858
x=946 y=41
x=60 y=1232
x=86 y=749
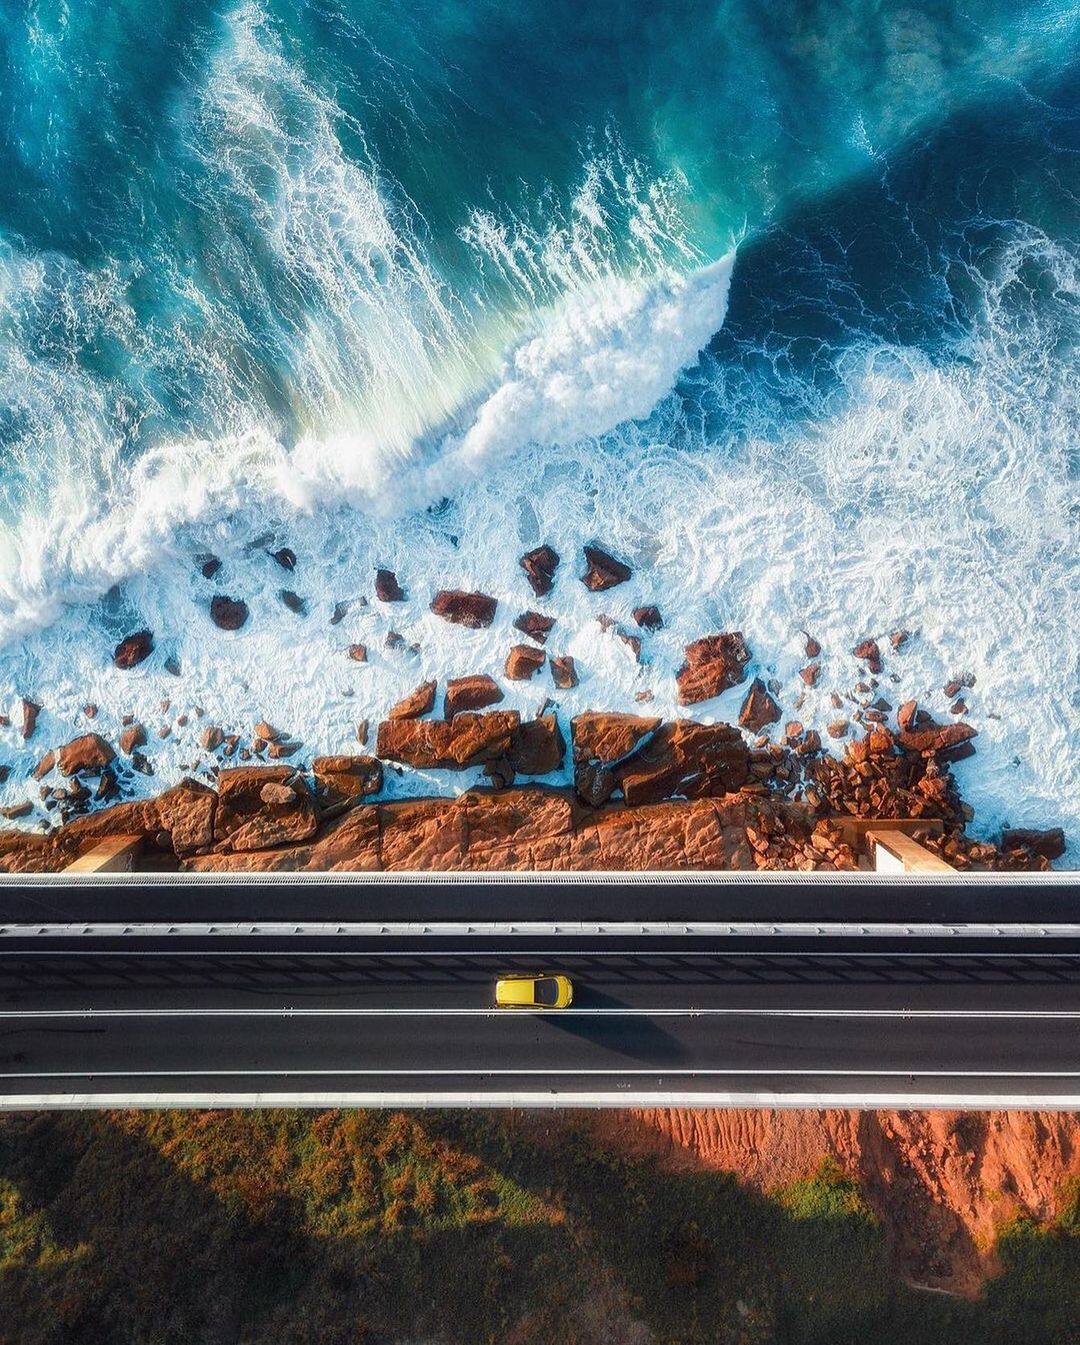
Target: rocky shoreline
x=646 y=794
x=598 y=789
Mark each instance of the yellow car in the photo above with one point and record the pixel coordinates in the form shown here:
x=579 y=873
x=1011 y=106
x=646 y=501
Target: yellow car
x=533 y=992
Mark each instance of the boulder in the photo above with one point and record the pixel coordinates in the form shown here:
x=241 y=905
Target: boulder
x=470 y=693
x=812 y=647
x=132 y=737
x=468 y=739
x=90 y=752
x=343 y=779
x=475 y=610
x=931 y=741
x=535 y=625
x=45 y=765
x=810 y=674
x=210 y=739
x=540 y=565
x=688 y=760
x=563 y=672
x=648 y=618
x=607 y=738
x=282 y=749
x=340 y=612
x=245 y=821
x=228 y=613
x=905 y=716
x=267 y=732
x=209 y=566
x=294 y=602
x=285 y=558
x=523 y=662
x=133 y=649
x=870 y=653
x=30 y=712
x=387 y=588
x=537 y=747
x=758 y=708
x=358 y=653
x=838 y=728
x=898 y=639
x=713 y=665
x=603 y=571
x=1050 y=843
x=417 y=703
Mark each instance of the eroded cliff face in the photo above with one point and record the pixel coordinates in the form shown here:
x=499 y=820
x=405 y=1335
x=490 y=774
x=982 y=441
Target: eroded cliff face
x=943 y=1183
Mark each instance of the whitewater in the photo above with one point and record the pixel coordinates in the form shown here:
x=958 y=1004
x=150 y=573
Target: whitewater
x=845 y=404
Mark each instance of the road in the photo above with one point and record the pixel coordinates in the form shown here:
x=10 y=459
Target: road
x=198 y=1018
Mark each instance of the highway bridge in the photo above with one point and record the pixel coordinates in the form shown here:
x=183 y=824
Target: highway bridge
x=690 y=989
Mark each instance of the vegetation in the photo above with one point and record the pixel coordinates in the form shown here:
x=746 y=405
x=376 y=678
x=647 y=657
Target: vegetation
x=176 y=1228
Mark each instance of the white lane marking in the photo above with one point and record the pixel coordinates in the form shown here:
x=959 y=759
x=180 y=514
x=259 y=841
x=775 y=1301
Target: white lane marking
x=508 y=1015
x=552 y=1073
x=488 y=929
x=552 y=1098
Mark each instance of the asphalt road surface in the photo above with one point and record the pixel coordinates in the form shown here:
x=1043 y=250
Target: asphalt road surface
x=772 y=1020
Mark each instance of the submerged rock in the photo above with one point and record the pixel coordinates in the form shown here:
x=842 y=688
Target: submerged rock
x=228 y=613
x=285 y=558
x=133 y=649
x=387 y=588
x=648 y=618
x=540 y=565
x=1050 y=843
x=294 y=602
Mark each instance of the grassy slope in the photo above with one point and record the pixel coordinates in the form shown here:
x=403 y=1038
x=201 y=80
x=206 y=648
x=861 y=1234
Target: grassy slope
x=349 y=1227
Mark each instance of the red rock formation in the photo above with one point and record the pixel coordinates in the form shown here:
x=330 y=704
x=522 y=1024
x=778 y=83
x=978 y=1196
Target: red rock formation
x=30 y=712
x=475 y=610
x=244 y=821
x=90 y=752
x=687 y=760
x=523 y=661
x=942 y=1183
x=466 y=740
x=470 y=693
x=415 y=704
x=603 y=571
x=713 y=665
x=537 y=747
x=1050 y=843
x=563 y=672
x=609 y=738
x=759 y=708
x=535 y=625
x=133 y=649
x=343 y=779
x=540 y=565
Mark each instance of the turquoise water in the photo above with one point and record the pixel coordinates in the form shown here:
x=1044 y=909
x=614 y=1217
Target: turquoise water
x=319 y=267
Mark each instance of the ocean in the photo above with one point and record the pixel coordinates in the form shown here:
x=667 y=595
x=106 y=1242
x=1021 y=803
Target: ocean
x=778 y=302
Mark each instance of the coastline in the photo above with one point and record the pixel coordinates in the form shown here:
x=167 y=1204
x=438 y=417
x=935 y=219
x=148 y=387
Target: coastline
x=600 y=790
